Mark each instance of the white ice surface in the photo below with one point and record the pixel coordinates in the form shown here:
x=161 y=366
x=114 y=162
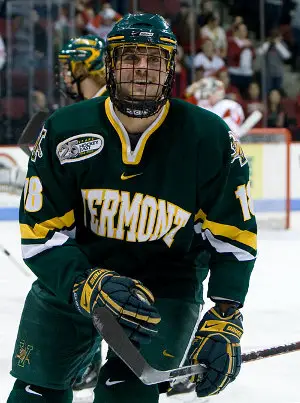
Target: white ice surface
x=271 y=317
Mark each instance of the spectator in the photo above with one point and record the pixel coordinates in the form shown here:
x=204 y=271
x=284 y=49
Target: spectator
x=237 y=20
x=216 y=34
x=240 y=58
x=84 y=14
x=206 y=8
x=208 y=60
x=273 y=12
x=231 y=92
x=40 y=41
x=104 y=21
x=253 y=101
x=275 y=52
x=61 y=27
x=276 y=115
x=295 y=25
x=184 y=21
x=2 y=53
x=24 y=58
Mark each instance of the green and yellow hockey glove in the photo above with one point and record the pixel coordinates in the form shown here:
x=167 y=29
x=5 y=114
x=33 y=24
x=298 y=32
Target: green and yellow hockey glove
x=217 y=345
x=128 y=299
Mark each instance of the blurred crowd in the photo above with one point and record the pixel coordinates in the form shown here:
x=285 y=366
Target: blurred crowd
x=225 y=39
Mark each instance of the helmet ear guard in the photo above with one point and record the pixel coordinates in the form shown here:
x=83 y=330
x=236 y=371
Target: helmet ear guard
x=142 y=33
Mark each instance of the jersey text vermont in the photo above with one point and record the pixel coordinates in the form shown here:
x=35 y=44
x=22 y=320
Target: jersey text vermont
x=114 y=214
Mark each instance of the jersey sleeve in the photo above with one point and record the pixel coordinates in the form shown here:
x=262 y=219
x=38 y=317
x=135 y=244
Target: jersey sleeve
x=47 y=219
x=226 y=220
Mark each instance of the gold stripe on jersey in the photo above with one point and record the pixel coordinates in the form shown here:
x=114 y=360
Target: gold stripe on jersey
x=200 y=216
x=40 y=231
x=229 y=231
x=133 y=157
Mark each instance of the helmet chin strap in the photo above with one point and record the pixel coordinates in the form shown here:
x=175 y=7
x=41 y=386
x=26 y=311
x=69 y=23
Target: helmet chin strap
x=79 y=95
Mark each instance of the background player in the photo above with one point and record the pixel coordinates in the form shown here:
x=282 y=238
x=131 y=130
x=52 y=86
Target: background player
x=82 y=68
x=209 y=93
x=133 y=187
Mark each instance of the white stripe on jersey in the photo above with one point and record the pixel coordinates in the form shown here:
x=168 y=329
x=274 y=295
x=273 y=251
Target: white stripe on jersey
x=58 y=239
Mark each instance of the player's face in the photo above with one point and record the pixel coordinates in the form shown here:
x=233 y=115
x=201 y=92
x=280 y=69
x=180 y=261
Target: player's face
x=67 y=78
x=140 y=72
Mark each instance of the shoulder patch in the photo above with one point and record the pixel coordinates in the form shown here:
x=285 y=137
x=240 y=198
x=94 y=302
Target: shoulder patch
x=37 y=149
x=237 y=152
x=80 y=147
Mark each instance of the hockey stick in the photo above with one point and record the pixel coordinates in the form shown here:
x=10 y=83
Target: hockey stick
x=29 y=134
x=14 y=261
x=113 y=333
x=249 y=123
x=271 y=352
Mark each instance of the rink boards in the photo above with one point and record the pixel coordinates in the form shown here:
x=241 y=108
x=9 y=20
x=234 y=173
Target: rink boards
x=268 y=175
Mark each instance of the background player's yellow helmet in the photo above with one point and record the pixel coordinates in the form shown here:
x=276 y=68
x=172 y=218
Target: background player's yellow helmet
x=82 y=57
x=136 y=89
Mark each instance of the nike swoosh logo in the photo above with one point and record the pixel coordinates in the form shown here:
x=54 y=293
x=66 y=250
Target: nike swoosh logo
x=110 y=383
x=166 y=354
x=209 y=326
x=28 y=390
x=125 y=177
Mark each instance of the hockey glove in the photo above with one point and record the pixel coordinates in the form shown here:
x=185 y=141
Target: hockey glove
x=217 y=345
x=128 y=299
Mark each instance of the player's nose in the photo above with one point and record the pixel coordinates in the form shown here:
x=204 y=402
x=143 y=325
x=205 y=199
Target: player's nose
x=142 y=62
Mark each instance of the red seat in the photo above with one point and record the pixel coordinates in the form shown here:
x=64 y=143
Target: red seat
x=2 y=27
x=19 y=82
x=15 y=23
x=41 y=80
x=298 y=110
x=290 y=107
x=14 y=108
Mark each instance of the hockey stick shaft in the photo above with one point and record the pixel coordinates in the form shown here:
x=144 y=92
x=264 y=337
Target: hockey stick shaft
x=14 y=261
x=249 y=123
x=113 y=333
x=29 y=134
x=270 y=352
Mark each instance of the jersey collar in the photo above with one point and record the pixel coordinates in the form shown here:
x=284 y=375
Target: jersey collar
x=100 y=92
x=128 y=156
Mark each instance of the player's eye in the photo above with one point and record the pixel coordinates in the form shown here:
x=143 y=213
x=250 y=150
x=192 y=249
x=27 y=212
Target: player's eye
x=130 y=57
x=154 y=59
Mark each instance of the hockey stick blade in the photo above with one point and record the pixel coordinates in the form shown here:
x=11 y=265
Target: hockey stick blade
x=113 y=333
x=29 y=134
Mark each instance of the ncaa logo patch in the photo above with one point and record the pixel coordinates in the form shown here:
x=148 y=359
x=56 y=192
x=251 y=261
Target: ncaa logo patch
x=79 y=148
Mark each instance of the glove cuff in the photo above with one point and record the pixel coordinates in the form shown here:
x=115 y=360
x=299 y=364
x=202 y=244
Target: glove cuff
x=88 y=286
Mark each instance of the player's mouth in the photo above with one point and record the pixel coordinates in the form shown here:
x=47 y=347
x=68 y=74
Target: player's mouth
x=142 y=83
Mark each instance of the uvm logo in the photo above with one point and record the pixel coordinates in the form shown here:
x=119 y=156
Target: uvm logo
x=237 y=152
x=24 y=353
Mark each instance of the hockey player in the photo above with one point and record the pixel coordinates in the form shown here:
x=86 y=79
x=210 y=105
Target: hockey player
x=124 y=195
x=209 y=93
x=82 y=68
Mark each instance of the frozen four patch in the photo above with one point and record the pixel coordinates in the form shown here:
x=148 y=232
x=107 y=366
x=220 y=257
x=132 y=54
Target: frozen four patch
x=80 y=147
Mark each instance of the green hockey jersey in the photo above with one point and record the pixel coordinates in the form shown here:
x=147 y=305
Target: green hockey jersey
x=151 y=212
